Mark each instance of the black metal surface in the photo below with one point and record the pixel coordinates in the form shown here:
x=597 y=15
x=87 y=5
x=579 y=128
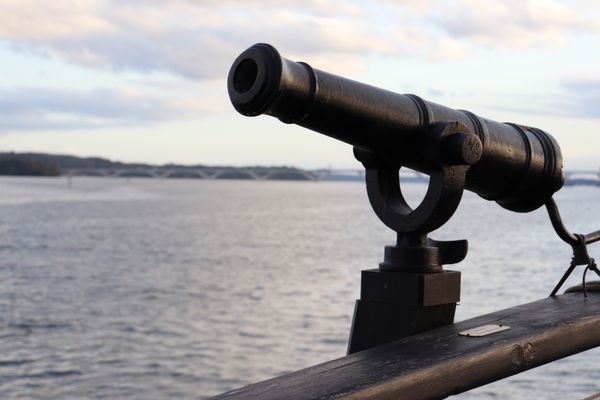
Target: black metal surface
x=446 y=184
x=564 y=233
x=558 y=225
x=395 y=304
x=376 y=324
x=413 y=289
x=578 y=243
x=593 y=286
x=519 y=167
x=413 y=251
x=440 y=363
x=592 y=237
x=415 y=260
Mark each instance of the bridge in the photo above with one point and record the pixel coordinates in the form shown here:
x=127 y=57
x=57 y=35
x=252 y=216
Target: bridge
x=573 y=177
x=582 y=177
x=197 y=173
x=257 y=173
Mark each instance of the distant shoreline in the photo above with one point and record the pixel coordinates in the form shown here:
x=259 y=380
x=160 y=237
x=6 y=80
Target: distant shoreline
x=44 y=164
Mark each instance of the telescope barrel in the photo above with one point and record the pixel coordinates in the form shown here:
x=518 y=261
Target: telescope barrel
x=520 y=167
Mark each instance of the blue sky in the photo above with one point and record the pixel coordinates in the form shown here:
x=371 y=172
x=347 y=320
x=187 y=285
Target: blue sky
x=144 y=80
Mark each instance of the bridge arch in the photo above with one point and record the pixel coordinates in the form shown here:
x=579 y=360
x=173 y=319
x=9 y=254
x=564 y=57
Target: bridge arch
x=134 y=173
x=234 y=174
x=183 y=174
x=291 y=175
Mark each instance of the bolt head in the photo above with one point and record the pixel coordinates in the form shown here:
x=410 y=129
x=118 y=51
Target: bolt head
x=463 y=149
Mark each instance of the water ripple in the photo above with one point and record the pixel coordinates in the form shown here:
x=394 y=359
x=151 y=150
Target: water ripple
x=182 y=289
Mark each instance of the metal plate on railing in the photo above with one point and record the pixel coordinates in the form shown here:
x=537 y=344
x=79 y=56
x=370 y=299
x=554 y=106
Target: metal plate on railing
x=484 y=330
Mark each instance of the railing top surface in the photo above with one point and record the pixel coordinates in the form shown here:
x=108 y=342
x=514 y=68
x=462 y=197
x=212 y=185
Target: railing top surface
x=440 y=362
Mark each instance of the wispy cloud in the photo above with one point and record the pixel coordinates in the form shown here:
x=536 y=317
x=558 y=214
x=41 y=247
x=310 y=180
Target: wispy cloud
x=571 y=98
x=516 y=23
x=198 y=39
x=580 y=98
x=26 y=109
x=193 y=39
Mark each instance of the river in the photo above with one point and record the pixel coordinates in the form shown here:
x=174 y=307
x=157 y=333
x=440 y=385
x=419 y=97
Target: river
x=156 y=289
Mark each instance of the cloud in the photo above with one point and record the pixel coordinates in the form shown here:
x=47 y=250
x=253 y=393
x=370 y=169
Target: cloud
x=572 y=98
x=199 y=39
x=515 y=23
x=24 y=109
x=580 y=97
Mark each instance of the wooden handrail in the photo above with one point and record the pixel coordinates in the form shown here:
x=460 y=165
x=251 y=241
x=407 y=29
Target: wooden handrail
x=440 y=362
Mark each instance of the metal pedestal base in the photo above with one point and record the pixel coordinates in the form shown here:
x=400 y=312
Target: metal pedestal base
x=394 y=305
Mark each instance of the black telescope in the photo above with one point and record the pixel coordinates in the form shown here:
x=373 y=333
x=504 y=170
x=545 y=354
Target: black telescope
x=517 y=166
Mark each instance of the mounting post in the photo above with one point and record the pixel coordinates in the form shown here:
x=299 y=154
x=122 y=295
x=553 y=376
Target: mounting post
x=410 y=292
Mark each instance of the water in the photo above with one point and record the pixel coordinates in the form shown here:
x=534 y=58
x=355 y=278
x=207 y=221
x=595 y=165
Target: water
x=155 y=289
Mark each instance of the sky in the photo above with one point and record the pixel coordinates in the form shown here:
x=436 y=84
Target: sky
x=145 y=80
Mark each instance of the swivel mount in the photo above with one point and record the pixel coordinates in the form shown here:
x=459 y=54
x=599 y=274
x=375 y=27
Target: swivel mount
x=450 y=152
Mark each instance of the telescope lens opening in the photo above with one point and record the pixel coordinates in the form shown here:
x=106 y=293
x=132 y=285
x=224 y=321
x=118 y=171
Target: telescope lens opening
x=245 y=76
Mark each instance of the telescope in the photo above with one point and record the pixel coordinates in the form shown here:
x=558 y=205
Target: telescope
x=519 y=167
